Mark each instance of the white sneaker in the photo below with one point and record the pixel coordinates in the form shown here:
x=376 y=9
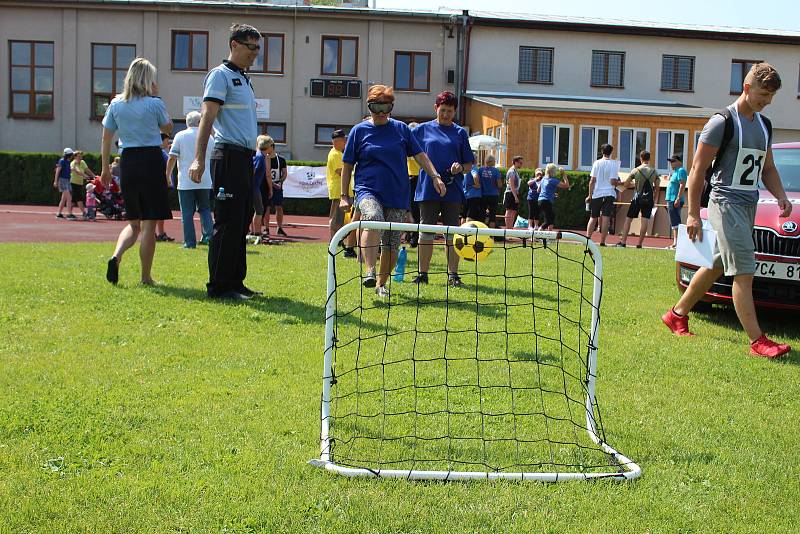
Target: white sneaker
x=382 y=292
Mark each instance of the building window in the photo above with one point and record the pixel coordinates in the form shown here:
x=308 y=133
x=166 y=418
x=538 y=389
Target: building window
x=631 y=142
x=270 y=56
x=276 y=130
x=592 y=138
x=535 y=65
x=677 y=73
x=339 y=56
x=608 y=69
x=189 y=50
x=739 y=69
x=555 y=145
x=322 y=132
x=110 y=63
x=412 y=71
x=31 y=79
x=669 y=142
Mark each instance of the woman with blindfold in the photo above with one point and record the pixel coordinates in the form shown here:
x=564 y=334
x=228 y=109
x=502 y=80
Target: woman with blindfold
x=378 y=148
x=448 y=146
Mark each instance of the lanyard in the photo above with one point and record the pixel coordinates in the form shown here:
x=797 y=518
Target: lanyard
x=735 y=113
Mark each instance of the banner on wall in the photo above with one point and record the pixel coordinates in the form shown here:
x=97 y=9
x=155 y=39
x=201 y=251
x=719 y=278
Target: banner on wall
x=305 y=182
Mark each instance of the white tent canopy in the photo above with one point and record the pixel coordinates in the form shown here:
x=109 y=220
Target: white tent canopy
x=484 y=142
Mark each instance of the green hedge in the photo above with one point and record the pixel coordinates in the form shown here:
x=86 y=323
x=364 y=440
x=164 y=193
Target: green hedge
x=27 y=177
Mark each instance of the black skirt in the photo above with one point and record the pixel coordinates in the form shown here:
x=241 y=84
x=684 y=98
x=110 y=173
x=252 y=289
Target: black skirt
x=144 y=184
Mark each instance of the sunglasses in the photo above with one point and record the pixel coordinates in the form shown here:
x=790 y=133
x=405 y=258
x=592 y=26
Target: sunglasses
x=252 y=47
x=380 y=107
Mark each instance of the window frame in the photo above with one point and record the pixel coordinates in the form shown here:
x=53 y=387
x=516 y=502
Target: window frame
x=114 y=68
x=327 y=142
x=32 y=92
x=634 y=130
x=556 y=139
x=262 y=128
x=191 y=33
x=552 y=65
x=742 y=63
x=606 y=54
x=412 y=88
x=675 y=71
x=595 y=128
x=671 y=150
x=339 y=72
x=265 y=49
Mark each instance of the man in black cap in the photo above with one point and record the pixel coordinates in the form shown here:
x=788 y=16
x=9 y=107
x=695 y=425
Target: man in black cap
x=674 y=198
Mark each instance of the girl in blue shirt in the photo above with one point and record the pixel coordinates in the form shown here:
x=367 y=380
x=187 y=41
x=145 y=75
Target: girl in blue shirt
x=378 y=148
x=547 y=194
x=533 y=199
x=491 y=182
x=138 y=117
x=447 y=144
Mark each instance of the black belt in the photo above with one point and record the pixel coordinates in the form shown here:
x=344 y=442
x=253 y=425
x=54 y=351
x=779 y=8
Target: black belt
x=235 y=148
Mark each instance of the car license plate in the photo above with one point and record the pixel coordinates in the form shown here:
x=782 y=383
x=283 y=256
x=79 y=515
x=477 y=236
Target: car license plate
x=781 y=271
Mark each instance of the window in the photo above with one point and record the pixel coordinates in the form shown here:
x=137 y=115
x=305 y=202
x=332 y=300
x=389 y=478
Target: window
x=270 y=57
x=592 y=138
x=322 y=133
x=412 y=71
x=189 y=50
x=669 y=142
x=677 y=73
x=535 y=65
x=31 y=79
x=608 y=69
x=276 y=130
x=631 y=142
x=110 y=63
x=739 y=69
x=555 y=145
x=340 y=56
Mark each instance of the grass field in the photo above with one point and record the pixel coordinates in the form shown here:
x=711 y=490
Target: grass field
x=153 y=409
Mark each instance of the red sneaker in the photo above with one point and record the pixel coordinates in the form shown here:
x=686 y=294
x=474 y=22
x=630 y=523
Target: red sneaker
x=764 y=346
x=678 y=324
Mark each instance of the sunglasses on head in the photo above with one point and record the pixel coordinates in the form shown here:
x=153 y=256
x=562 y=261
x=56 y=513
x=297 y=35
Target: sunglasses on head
x=252 y=47
x=380 y=107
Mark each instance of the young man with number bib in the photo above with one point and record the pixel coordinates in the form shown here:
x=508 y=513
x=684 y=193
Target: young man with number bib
x=229 y=104
x=739 y=161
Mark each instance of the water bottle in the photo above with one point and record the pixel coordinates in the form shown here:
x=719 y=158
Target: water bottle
x=221 y=194
x=400 y=268
x=587 y=207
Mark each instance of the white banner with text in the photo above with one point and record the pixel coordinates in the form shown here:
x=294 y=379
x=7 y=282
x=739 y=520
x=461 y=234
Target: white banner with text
x=306 y=182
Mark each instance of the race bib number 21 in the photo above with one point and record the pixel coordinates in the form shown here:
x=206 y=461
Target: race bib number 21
x=747 y=173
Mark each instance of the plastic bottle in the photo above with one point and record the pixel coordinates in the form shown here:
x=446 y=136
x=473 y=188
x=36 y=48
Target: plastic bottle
x=221 y=194
x=400 y=268
x=588 y=207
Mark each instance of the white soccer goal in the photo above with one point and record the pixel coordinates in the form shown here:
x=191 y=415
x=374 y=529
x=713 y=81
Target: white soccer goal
x=493 y=380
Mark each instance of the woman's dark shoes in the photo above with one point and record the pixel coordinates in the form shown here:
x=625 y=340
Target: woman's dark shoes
x=112 y=271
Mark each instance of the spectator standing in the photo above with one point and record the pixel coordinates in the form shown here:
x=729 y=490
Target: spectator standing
x=166 y=143
x=262 y=188
x=674 y=197
x=333 y=175
x=412 y=238
x=645 y=179
x=473 y=194
x=602 y=192
x=193 y=197
x=491 y=182
x=61 y=181
x=547 y=194
x=278 y=171
x=138 y=117
x=447 y=145
x=229 y=105
x=115 y=170
x=80 y=173
x=511 y=195
x=533 y=199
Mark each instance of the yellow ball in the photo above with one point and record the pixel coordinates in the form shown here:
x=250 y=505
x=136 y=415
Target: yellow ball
x=473 y=247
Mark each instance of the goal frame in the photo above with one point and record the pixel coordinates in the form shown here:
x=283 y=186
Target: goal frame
x=632 y=470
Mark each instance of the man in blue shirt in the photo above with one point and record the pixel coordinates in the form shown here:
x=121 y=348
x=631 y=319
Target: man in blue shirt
x=229 y=104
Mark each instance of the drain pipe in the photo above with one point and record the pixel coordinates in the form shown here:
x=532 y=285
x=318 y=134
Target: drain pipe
x=466 y=22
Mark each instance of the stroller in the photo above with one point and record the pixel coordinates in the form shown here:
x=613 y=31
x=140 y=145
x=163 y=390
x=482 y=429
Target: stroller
x=109 y=200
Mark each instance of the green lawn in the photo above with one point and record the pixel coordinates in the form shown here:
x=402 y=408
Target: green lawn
x=153 y=409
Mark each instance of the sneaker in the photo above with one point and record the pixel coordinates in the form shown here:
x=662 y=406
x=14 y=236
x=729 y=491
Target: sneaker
x=621 y=245
x=204 y=241
x=249 y=293
x=678 y=324
x=229 y=295
x=382 y=292
x=71 y=217
x=767 y=348
x=421 y=278
x=59 y=216
x=168 y=238
x=671 y=247
x=638 y=246
x=187 y=245
x=350 y=253
x=369 y=279
x=161 y=237
x=281 y=232
x=453 y=280
x=602 y=244
x=112 y=270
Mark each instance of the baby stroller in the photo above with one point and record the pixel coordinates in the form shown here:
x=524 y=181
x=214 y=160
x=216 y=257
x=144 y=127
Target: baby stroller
x=111 y=205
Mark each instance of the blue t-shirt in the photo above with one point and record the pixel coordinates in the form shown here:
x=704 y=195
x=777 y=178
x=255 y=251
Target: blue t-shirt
x=64 y=171
x=675 y=179
x=470 y=191
x=259 y=172
x=547 y=188
x=444 y=145
x=489 y=177
x=533 y=192
x=380 y=155
x=136 y=121
x=236 y=121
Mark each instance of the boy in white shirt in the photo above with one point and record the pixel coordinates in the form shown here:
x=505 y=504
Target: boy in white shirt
x=602 y=192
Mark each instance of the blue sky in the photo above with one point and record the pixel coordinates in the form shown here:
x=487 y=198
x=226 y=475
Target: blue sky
x=769 y=14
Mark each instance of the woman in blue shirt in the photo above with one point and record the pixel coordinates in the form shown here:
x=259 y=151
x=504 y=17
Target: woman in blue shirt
x=138 y=117
x=447 y=144
x=491 y=182
x=547 y=194
x=378 y=148
x=474 y=196
x=533 y=199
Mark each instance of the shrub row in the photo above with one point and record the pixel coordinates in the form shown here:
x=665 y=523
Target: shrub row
x=27 y=177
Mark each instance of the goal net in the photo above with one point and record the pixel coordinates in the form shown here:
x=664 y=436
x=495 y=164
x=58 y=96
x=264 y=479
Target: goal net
x=492 y=380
